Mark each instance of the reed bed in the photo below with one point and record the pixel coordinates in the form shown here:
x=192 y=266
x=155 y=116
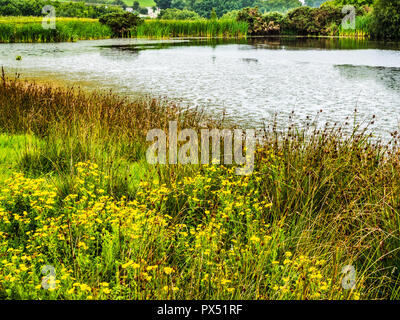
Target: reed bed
x=29 y=29
x=362 y=30
x=82 y=198
x=196 y=28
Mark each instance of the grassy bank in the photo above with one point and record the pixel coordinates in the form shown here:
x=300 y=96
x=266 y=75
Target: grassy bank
x=197 y=28
x=29 y=29
x=78 y=194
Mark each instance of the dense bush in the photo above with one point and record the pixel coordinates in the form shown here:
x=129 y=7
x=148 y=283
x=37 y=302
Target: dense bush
x=386 y=20
x=121 y=23
x=306 y=20
x=300 y=21
x=259 y=24
x=63 y=9
x=177 y=14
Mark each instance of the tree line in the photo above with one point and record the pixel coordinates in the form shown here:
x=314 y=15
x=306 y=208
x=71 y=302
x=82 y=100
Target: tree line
x=63 y=9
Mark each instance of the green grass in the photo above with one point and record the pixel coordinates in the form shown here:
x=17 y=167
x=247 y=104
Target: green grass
x=83 y=199
x=11 y=149
x=142 y=3
x=362 y=30
x=29 y=29
x=197 y=28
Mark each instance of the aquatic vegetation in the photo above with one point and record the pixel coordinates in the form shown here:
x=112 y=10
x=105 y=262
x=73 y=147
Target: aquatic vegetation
x=308 y=21
x=81 y=199
x=362 y=30
x=195 y=28
x=29 y=29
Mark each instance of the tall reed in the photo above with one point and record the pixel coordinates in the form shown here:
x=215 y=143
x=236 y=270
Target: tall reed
x=30 y=29
x=196 y=28
x=362 y=28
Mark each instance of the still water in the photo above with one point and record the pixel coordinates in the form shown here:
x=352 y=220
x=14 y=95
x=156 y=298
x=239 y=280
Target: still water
x=250 y=81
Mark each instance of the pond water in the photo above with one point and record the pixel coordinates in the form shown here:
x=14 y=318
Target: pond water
x=250 y=80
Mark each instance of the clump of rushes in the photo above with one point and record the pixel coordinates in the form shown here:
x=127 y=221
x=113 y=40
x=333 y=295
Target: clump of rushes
x=29 y=29
x=194 y=28
x=317 y=200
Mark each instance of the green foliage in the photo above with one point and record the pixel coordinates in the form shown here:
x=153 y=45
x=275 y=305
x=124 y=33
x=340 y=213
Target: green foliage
x=67 y=29
x=179 y=4
x=120 y=3
x=306 y=20
x=213 y=15
x=163 y=4
x=386 y=20
x=274 y=16
x=197 y=28
x=205 y=7
x=362 y=30
x=143 y=11
x=63 y=9
x=176 y=14
x=278 y=5
x=314 y=3
x=258 y=24
x=86 y=194
x=231 y=15
x=122 y=23
x=135 y=5
x=356 y=3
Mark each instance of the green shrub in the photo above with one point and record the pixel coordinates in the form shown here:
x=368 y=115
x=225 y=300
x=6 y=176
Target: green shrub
x=259 y=24
x=312 y=21
x=121 y=24
x=231 y=15
x=386 y=20
x=176 y=14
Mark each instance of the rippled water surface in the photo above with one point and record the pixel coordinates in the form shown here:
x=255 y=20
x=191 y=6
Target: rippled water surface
x=252 y=80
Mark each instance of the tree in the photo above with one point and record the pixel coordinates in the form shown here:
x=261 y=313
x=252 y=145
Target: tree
x=179 y=4
x=135 y=5
x=121 y=23
x=386 y=20
x=176 y=14
x=163 y=4
x=120 y=3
